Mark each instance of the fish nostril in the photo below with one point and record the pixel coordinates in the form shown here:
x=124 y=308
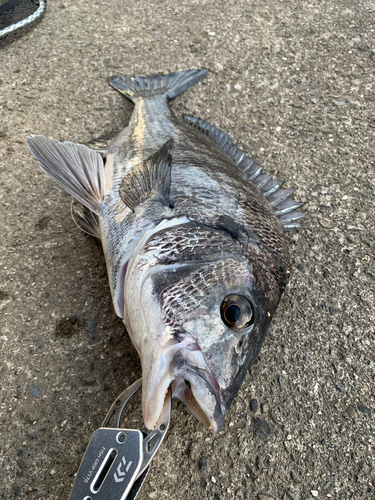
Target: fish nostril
x=188 y=384
x=240 y=343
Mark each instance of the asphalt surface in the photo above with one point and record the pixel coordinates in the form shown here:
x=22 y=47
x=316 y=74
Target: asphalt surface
x=293 y=84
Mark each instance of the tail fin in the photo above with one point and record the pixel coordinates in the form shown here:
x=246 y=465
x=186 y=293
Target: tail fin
x=172 y=84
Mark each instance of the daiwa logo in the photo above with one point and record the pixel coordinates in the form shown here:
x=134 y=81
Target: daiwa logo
x=119 y=475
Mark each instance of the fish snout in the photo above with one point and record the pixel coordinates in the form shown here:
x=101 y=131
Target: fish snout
x=184 y=366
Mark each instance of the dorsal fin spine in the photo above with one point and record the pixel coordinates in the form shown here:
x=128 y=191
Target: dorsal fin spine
x=270 y=188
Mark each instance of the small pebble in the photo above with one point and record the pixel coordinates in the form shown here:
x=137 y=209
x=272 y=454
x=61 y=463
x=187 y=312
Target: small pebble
x=213 y=479
x=264 y=407
x=32 y=433
x=334 y=310
x=339 y=102
x=296 y=477
x=202 y=464
x=364 y=409
x=326 y=223
x=290 y=495
x=254 y=405
x=314 y=493
x=34 y=391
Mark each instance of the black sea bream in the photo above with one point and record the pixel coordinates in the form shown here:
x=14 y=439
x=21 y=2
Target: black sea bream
x=193 y=236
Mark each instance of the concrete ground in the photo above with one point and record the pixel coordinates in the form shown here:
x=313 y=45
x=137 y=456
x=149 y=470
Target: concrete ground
x=292 y=82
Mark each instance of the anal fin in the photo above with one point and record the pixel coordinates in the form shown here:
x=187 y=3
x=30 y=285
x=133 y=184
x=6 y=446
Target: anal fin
x=149 y=180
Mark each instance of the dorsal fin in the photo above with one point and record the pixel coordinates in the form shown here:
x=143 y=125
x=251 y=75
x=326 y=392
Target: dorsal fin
x=278 y=198
x=149 y=180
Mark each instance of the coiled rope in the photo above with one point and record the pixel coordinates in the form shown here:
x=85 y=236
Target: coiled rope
x=17 y=16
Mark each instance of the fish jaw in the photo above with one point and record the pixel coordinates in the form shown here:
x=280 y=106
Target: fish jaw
x=183 y=366
x=198 y=390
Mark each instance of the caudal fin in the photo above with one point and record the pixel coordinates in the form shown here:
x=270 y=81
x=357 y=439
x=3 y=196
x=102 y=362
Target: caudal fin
x=172 y=84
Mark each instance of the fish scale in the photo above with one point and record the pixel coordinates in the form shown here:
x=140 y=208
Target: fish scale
x=187 y=241
x=193 y=236
x=187 y=295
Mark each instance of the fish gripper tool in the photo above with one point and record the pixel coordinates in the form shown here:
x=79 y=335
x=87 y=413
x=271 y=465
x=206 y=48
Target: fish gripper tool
x=117 y=461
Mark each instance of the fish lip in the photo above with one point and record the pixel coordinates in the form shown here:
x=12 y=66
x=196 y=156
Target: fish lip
x=214 y=420
x=192 y=383
x=197 y=388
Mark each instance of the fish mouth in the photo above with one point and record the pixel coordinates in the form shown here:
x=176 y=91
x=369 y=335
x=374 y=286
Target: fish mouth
x=192 y=383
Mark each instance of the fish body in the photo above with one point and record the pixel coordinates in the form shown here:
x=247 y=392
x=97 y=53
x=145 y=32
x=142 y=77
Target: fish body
x=193 y=236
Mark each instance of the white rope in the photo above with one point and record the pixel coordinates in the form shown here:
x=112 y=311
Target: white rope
x=25 y=22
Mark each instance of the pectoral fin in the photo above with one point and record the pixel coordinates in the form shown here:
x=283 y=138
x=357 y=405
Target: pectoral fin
x=85 y=219
x=76 y=168
x=150 y=180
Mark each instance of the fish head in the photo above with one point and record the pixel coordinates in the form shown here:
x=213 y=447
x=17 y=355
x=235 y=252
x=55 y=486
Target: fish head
x=193 y=311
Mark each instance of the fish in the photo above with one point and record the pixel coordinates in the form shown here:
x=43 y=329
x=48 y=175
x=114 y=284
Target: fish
x=193 y=234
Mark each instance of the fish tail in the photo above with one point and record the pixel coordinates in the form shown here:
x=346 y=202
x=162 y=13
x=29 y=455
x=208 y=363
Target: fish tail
x=173 y=84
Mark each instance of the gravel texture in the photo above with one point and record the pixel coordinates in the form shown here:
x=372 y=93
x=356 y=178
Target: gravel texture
x=293 y=84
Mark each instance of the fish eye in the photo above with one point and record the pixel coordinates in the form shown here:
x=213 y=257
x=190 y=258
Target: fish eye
x=236 y=312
